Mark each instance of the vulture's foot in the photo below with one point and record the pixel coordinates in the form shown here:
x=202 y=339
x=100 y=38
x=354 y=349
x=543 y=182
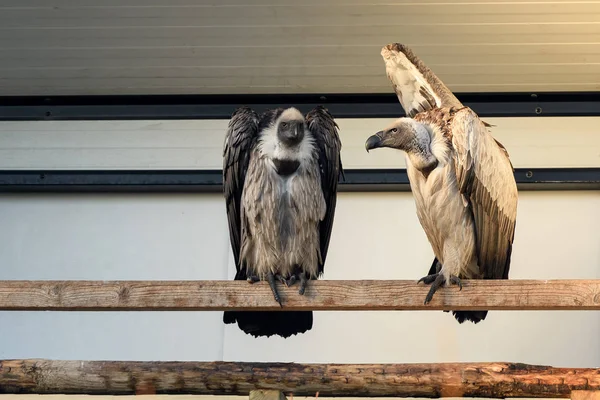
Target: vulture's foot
x=437 y=281
x=428 y=279
x=455 y=280
x=252 y=279
x=290 y=282
x=303 y=283
x=273 y=285
x=281 y=279
x=287 y=282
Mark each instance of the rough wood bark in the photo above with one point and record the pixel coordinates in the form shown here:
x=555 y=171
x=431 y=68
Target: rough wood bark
x=494 y=380
x=320 y=295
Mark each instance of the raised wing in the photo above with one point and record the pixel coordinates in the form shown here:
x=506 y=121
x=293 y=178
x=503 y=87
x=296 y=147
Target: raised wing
x=240 y=138
x=417 y=87
x=487 y=183
x=324 y=128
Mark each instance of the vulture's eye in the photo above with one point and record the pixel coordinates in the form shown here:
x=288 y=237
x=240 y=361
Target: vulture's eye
x=394 y=130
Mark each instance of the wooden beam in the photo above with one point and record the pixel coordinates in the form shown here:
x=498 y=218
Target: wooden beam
x=320 y=295
x=493 y=380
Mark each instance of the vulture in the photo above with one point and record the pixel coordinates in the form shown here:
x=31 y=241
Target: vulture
x=461 y=177
x=280 y=177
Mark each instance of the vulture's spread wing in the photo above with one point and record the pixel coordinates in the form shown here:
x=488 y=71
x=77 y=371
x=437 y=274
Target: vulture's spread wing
x=323 y=127
x=417 y=88
x=240 y=138
x=485 y=177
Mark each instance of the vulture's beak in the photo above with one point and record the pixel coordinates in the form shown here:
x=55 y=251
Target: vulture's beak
x=374 y=141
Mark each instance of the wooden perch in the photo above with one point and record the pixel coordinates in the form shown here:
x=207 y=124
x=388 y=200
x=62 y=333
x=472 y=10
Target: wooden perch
x=320 y=295
x=495 y=380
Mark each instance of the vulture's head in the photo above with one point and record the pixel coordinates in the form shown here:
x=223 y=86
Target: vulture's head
x=290 y=127
x=402 y=134
x=407 y=135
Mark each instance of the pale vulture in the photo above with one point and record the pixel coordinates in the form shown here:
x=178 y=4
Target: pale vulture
x=280 y=177
x=461 y=177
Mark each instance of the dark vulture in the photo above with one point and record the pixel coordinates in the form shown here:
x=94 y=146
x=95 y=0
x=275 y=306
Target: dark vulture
x=280 y=177
x=461 y=177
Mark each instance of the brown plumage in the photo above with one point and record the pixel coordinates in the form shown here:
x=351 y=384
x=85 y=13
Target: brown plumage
x=494 y=246
x=461 y=177
x=422 y=90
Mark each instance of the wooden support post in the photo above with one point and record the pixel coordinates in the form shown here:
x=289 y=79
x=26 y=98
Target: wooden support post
x=585 y=395
x=491 y=380
x=266 y=395
x=320 y=295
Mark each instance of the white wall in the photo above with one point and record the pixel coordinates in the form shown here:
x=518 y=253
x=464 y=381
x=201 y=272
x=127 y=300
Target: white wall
x=181 y=144
x=375 y=236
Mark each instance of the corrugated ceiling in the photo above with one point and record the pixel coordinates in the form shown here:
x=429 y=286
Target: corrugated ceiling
x=52 y=47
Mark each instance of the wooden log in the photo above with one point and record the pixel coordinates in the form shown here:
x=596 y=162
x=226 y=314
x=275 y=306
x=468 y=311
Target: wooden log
x=493 y=380
x=320 y=295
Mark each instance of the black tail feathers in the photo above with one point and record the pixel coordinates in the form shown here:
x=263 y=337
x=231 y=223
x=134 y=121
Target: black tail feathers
x=473 y=316
x=268 y=323
x=265 y=323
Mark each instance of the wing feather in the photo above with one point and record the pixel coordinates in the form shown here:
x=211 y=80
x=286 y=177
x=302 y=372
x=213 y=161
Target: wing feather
x=485 y=177
x=240 y=138
x=417 y=87
x=325 y=130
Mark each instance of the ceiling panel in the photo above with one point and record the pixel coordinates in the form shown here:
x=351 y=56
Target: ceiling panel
x=52 y=47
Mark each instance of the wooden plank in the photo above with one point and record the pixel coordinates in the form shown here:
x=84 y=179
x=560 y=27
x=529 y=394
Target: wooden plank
x=491 y=380
x=320 y=295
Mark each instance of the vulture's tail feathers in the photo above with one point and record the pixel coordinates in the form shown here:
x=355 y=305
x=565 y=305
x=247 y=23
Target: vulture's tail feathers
x=461 y=316
x=473 y=316
x=265 y=323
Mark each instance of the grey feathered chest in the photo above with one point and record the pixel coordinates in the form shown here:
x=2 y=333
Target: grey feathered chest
x=280 y=176
x=281 y=212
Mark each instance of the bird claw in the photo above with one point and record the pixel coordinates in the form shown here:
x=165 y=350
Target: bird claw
x=437 y=281
x=273 y=278
x=303 y=284
x=287 y=282
x=281 y=279
x=272 y=284
x=291 y=281
x=427 y=279
x=456 y=281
